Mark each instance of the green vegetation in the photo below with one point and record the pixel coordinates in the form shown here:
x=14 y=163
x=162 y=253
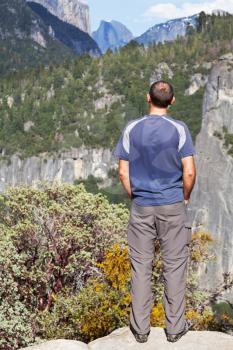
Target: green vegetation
x=19 y=26
x=228 y=142
x=65 y=268
x=114 y=193
x=227 y=138
x=63 y=102
x=50 y=239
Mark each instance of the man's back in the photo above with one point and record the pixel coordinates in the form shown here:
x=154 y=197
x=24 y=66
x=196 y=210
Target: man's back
x=154 y=146
x=157 y=170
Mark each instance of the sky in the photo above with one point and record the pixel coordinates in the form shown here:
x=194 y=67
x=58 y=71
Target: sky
x=140 y=15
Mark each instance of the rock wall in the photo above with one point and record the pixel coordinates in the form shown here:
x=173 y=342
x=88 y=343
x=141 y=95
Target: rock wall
x=71 y=11
x=212 y=200
x=68 y=34
x=67 y=166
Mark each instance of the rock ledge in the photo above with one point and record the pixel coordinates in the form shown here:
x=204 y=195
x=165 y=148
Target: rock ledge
x=123 y=339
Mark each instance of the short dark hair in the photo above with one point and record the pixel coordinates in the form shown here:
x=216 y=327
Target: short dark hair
x=161 y=93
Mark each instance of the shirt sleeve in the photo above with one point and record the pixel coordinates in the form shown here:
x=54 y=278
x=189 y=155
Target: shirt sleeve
x=121 y=150
x=188 y=148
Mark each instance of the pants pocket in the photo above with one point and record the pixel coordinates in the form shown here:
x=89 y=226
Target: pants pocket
x=188 y=226
x=188 y=233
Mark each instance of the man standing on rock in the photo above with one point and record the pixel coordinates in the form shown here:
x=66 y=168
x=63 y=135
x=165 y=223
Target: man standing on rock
x=157 y=170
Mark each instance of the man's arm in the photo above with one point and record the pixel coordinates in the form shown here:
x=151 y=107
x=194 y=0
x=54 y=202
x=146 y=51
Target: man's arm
x=123 y=173
x=189 y=176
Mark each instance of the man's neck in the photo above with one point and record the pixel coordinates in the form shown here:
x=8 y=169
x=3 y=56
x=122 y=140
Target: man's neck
x=158 y=111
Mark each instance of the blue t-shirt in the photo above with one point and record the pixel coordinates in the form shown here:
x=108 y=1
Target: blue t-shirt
x=154 y=146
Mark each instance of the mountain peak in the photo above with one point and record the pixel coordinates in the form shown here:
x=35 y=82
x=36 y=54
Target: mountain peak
x=112 y=35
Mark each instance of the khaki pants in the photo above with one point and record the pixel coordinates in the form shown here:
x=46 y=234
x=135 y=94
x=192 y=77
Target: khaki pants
x=170 y=224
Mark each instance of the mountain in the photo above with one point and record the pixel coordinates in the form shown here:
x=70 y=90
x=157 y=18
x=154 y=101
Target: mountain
x=70 y=35
x=74 y=12
x=25 y=40
x=111 y=35
x=167 y=31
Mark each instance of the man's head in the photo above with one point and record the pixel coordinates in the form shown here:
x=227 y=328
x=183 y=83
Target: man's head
x=161 y=94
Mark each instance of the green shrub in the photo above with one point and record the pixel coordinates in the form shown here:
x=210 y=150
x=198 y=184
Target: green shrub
x=65 y=268
x=104 y=303
x=51 y=238
x=15 y=320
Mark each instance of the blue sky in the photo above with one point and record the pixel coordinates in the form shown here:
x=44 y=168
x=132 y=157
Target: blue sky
x=139 y=15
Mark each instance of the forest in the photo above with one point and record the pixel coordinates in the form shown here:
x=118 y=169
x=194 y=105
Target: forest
x=87 y=101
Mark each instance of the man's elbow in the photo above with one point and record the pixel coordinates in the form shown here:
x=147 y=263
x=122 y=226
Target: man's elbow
x=122 y=174
x=123 y=170
x=190 y=175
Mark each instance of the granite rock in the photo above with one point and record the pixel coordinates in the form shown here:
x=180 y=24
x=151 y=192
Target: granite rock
x=74 y=12
x=211 y=205
x=64 y=167
x=123 y=339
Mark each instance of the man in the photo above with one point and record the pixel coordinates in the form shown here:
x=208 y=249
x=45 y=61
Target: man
x=157 y=170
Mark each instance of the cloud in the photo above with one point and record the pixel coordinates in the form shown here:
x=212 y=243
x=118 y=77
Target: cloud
x=169 y=10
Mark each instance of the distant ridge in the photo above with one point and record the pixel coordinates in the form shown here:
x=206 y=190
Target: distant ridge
x=167 y=31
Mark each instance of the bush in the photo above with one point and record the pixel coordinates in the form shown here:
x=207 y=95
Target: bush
x=64 y=258
x=15 y=323
x=51 y=238
x=99 y=308
x=104 y=303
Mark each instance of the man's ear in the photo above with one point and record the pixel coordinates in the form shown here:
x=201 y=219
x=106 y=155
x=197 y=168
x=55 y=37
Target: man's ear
x=173 y=100
x=148 y=99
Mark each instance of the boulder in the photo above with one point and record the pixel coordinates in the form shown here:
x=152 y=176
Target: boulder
x=197 y=81
x=160 y=71
x=59 y=344
x=123 y=339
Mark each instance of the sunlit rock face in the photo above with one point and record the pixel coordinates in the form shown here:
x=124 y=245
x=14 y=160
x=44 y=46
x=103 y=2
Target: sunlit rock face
x=68 y=34
x=112 y=35
x=122 y=338
x=212 y=200
x=70 y=11
x=64 y=167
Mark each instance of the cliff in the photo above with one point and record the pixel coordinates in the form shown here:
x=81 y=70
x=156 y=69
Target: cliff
x=25 y=40
x=122 y=338
x=66 y=166
x=70 y=11
x=111 y=35
x=212 y=199
x=68 y=34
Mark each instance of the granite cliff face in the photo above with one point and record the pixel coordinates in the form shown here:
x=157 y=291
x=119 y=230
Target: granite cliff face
x=74 y=12
x=66 y=167
x=25 y=40
x=111 y=35
x=68 y=34
x=212 y=200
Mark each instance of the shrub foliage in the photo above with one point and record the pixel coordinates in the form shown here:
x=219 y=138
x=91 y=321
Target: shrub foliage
x=65 y=268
